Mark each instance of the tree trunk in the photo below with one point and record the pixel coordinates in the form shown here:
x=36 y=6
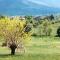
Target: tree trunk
x=13 y=48
x=12 y=51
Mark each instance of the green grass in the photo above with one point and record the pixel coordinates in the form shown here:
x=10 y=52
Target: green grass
x=31 y=57
x=40 y=48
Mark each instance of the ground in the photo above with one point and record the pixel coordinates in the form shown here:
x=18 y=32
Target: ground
x=40 y=48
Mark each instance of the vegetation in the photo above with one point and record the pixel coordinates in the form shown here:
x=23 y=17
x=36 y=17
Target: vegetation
x=30 y=39
x=14 y=32
x=58 y=32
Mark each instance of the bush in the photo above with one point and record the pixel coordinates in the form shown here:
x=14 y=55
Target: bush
x=58 y=32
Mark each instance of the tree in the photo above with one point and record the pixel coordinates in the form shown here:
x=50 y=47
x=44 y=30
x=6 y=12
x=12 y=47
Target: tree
x=14 y=32
x=49 y=31
x=51 y=17
x=29 y=19
x=47 y=28
x=58 y=32
x=2 y=17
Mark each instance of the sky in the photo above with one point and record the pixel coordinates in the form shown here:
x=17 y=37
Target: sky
x=51 y=3
x=11 y=7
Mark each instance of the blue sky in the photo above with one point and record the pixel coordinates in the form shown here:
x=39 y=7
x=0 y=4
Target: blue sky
x=21 y=7
x=51 y=3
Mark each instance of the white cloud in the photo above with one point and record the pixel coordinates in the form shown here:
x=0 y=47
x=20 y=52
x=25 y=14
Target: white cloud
x=49 y=3
x=38 y=2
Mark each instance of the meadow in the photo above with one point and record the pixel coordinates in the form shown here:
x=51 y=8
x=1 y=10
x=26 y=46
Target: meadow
x=39 y=48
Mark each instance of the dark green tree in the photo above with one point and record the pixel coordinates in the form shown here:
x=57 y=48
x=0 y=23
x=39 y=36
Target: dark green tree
x=51 y=17
x=58 y=31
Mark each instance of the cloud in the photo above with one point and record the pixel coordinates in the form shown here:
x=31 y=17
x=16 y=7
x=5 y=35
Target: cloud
x=38 y=2
x=49 y=3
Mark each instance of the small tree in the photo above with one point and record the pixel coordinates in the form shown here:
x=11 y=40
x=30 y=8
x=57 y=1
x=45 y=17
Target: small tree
x=49 y=31
x=51 y=17
x=58 y=32
x=14 y=32
x=29 y=19
x=47 y=28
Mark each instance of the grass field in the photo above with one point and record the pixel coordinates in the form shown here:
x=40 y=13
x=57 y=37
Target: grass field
x=40 y=48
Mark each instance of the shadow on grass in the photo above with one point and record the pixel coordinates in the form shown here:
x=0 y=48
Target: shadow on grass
x=4 y=55
x=9 y=55
x=32 y=56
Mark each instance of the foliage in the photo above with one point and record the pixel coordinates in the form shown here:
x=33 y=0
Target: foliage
x=45 y=28
x=51 y=17
x=58 y=31
x=14 y=31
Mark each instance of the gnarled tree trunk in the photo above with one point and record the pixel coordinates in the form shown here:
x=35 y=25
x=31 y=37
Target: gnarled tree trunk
x=13 y=47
